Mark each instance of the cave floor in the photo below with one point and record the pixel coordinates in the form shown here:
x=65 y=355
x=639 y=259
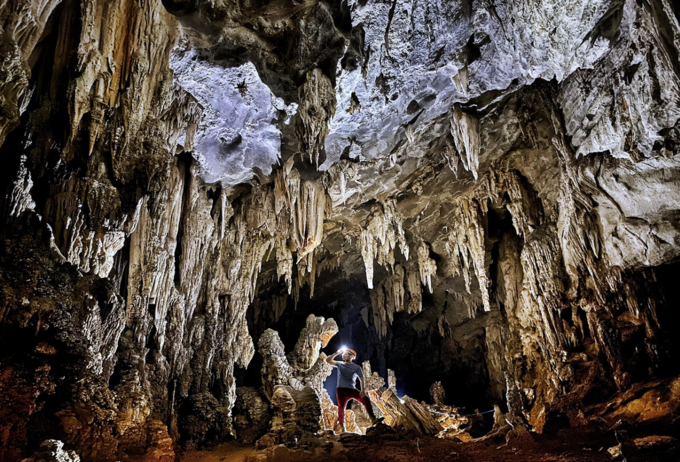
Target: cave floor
x=570 y=445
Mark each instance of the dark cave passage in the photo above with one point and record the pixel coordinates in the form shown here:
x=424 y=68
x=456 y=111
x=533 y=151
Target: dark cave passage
x=418 y=358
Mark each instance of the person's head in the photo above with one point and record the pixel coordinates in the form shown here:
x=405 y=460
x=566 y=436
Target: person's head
x=348 y=355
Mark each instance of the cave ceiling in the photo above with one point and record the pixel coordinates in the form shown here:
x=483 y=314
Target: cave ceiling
x=395 y=80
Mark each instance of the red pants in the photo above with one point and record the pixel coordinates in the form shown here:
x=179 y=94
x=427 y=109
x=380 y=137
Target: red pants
x=344 y=395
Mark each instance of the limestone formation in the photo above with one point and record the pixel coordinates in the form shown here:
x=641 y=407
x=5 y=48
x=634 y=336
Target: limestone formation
x=466 y=245
x=380 y=238
x=465 y=131
x=293 y=384
x=251 y=415
x=296 y=417
x=317 y=107
x=304 y=366
x=438 y=394
x=53 y=451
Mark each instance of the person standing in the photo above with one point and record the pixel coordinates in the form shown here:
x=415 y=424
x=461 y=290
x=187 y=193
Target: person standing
x=346 y=390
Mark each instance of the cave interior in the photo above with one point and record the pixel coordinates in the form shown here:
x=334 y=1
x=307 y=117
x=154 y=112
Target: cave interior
x=202 y=200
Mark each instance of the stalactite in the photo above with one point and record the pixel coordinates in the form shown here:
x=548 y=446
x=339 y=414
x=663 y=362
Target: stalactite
x=496 y=346
x=369 y=248
x=329 y=262
x=388 y=298
x=466 y=244
x=90 y=247
x=316 y=109
x=607 y=340
x=307 y=273
x=300 y=209
x=414 y=290
x=451 y=156
x=410 y=135
x=337 y=177
x=444 y=327
x=398 y=292
x=465 y=130
x=381 y=312
x=309 y=213
x=524 y=206
x=579 y=232
x=427 y=266
x=381 y=236
x=20 y=198
x=279 y=302
x=23 y=24
x=284 y=261
x=461 y=80
x=543 y=288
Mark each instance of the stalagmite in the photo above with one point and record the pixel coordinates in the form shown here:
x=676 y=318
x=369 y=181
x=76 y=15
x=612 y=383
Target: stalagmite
x=316 y=335
x=296 y=415
x=392 y=380
x=275 y=367
x=53 y=451
x=438 y=394
x=294 y=384
x=252 y=415
x=304 y=366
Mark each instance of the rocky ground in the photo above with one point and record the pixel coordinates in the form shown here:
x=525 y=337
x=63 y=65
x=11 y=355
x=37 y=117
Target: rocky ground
x=574 y=445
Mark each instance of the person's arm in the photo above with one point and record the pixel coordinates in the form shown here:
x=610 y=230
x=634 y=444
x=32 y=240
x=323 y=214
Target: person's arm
x=330 y=359
x=363 y=387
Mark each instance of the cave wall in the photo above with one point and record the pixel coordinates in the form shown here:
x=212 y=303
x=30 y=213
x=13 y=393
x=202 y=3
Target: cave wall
x=504 y=185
